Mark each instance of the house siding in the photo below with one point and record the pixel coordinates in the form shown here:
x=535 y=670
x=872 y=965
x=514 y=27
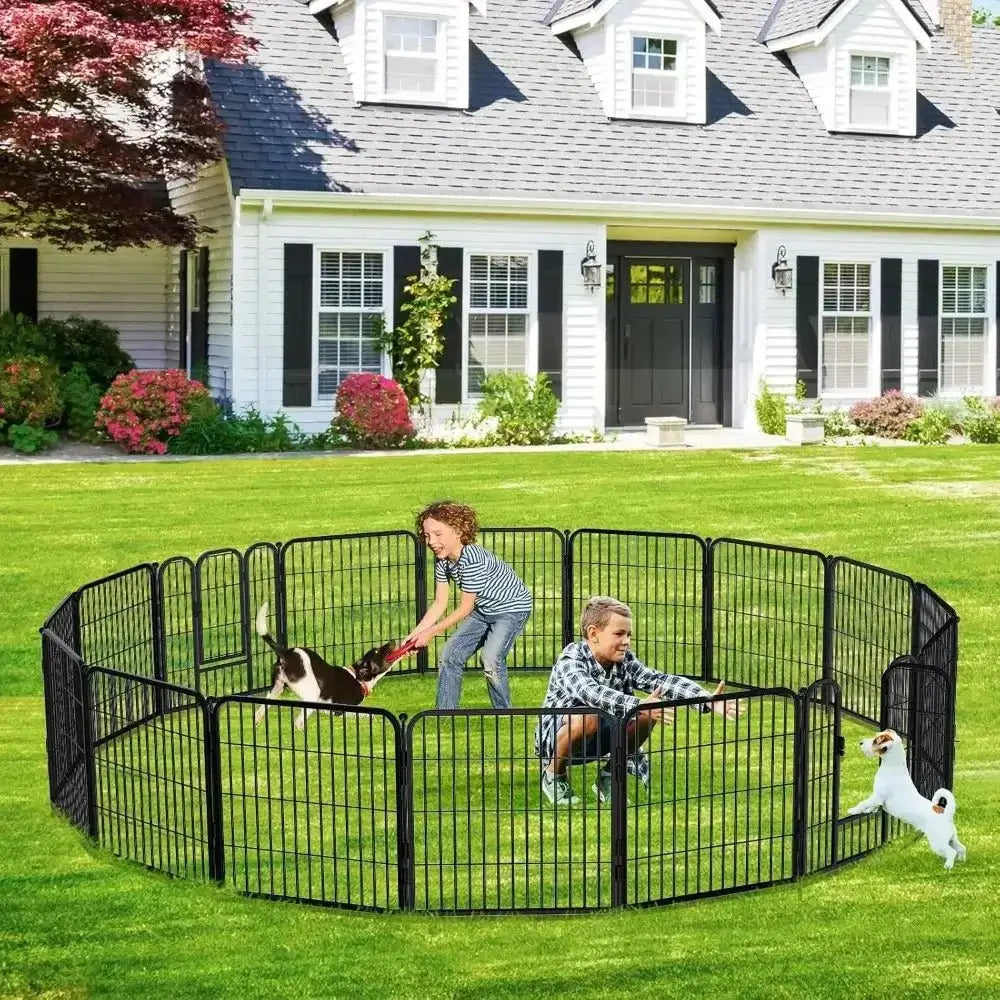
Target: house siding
x=873 y=28
x=126 y=289
x=660 y=18
x=259 y=303
x=867 y=246
x=207 y=198
x=815 y=67
x=596 y=47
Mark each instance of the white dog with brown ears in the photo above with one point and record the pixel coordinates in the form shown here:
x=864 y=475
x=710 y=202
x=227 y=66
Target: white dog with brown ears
x=895 y=792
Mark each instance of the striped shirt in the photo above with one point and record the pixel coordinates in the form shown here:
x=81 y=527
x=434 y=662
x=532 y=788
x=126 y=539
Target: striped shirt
x=579 y=681
x=498 y=589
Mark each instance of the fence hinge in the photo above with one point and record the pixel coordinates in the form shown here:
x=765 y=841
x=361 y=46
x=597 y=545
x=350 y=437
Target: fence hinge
x=841 y=746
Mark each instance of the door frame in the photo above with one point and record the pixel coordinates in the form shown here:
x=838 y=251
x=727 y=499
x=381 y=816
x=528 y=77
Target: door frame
x=616 y=251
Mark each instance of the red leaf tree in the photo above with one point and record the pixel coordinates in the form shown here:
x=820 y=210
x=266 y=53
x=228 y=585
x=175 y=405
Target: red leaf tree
x=100 y=101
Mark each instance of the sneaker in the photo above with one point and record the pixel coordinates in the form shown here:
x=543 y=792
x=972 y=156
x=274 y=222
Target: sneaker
x=557 y=790
x=602 y=788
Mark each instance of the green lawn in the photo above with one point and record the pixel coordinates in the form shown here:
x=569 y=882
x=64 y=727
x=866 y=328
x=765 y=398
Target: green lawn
x=77 y=923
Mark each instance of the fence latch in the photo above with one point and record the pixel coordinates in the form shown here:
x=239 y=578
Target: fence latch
x=841 y=746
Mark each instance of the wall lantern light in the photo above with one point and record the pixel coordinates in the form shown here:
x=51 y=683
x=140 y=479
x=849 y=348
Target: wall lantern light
x=591 y=269
x=781 y=271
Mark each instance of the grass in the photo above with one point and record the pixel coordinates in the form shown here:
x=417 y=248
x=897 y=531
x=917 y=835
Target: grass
x=78 y=923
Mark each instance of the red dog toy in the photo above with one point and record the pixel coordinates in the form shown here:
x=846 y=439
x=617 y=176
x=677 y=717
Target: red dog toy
x=404 y=650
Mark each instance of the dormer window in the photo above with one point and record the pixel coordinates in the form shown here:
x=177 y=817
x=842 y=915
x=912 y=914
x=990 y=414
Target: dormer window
x=871 y=93
x=412 y=58
x=656 y=78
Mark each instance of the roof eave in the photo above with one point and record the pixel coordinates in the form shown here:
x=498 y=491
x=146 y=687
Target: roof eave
x=594 y=15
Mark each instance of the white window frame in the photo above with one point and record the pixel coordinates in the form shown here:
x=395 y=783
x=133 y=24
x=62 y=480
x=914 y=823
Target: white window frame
x=4 y=279
x=988 y=358
x=439 y=59
x=531 y=325
x=384 y=310
x=871 y=355
x=892 y=125
x=679 y=73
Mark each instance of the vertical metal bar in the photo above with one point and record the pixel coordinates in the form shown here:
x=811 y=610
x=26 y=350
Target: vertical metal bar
x=213 y=788
x=280 y=595
x=568 y=597
x=708 y=610
x=799 y=792
x=159 y=638
x=829 y=615
x=420 y=596
x=835 y=761
x=619 y=845
x=83 y=675
x=404 y=810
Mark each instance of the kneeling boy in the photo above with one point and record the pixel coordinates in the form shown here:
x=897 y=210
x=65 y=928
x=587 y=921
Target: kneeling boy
x=602 y=672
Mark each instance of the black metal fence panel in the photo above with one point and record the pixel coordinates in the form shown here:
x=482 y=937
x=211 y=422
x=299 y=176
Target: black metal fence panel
x=347 y=593
x=872 y=624
x=148 y=745
x=820 y=769
x=262 y=587
x=768 y=614
x=65 y=717
x=176 y=585
x=484 y=835
x=660 y=577
x=222 y=626
x=309 y=812
x=117 y=622
x=537 y=555
x=719 y=812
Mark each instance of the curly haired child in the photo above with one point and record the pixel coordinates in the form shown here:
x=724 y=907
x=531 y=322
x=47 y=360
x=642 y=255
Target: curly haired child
x=494 y=607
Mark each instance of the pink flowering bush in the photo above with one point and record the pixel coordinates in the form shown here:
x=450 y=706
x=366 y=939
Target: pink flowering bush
x=888 y=415
x=372 y=412
x=29 y=392
x=142 y=411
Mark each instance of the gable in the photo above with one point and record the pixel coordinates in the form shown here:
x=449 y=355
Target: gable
x=810 y=22
x=569 y=15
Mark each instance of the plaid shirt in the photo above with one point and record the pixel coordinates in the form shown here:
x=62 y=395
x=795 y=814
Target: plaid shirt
x=579 y=681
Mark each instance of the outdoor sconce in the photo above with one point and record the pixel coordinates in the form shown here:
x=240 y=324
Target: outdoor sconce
x=590 y=269
x=781 y=271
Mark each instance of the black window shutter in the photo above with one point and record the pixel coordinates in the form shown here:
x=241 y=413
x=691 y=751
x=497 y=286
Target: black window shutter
x=928 y=326
x=550 y=317
x=199 y=318
x=298 y=325
x=405 y=264
x=892 y=322
x=23 y=296
x=807 y=324
x=182 y=306
x=448 y=379
x=996 y=327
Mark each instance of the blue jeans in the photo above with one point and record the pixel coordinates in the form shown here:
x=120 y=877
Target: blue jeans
x=494 y=636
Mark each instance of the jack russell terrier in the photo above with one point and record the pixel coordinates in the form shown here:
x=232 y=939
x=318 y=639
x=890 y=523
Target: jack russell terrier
x=895 y=792
x=313 y=679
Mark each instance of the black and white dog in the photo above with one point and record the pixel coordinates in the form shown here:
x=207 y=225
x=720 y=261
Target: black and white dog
x=313 y=679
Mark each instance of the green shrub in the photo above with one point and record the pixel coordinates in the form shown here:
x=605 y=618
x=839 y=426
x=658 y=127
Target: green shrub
x=933 y=426
x=65 y=342
x=29 y=392
x=982 y=422
x=525 y=409
x=28 y=439
x=838 y=424
x=772 y=409
x=81 y=398
x=219 y=433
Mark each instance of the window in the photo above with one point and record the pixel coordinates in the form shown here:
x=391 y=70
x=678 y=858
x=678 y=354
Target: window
x=350 y=307
x=498 y=317
x=655 y=76
x=963 y=327
x=411 y=57
x=871 y=96
x=846 y=324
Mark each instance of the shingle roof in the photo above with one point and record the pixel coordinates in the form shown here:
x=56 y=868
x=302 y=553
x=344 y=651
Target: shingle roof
x=536 y=127
x=567 y=8
x=790 y=16
x=986 y=57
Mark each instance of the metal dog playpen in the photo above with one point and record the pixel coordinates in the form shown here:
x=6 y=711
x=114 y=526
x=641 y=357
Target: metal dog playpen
x=152 y=677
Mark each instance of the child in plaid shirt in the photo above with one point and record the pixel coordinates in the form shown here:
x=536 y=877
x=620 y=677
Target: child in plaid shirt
x=601 y=672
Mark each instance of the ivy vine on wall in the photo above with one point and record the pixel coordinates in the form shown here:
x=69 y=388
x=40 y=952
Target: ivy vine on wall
x=415 y=345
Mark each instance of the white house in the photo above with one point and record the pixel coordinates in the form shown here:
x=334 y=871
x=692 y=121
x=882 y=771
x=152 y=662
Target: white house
x=776 y=189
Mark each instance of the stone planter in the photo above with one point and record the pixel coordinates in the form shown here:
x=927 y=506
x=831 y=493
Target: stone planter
x=805 y=428
x=665 y=432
